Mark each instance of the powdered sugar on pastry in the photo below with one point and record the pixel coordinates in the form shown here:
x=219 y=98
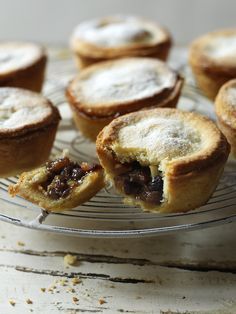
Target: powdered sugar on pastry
x=20 y=108
x=223 y=48
x=231 y=95
x=156 y=139
x=14 y=56
x=126 y=80
x=116 y=31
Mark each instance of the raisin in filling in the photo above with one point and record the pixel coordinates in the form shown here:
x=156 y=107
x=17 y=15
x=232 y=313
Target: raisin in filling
x=139 y=183
x=63 y=175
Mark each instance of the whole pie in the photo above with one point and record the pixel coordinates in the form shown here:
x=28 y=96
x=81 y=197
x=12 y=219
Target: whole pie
x=22 y=64
x=119 y=36
x=109 y=89
x=60 y=184
x=164 y=160
x=28 y=124
x=213 y=60
x=225 y=106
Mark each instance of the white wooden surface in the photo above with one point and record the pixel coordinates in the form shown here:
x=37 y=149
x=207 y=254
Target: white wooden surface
x=193 y=272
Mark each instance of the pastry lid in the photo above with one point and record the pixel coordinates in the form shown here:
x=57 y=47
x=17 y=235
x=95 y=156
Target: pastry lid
x=120 y=86
x=22 y=111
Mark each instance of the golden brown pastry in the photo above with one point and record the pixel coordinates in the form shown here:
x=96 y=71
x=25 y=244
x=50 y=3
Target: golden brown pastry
x=164 y=160
x=28 y=124
x=213 y=60
x=22 y=65
x=225 y=106
x=119 y=36
x=109 y=89
x=60 y=184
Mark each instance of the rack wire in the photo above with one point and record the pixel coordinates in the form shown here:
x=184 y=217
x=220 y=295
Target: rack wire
x=105 y=215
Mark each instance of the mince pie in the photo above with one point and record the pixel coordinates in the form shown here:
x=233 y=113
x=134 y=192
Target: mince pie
x=213 y=60
x=164 y=160
x=28 y=124
x=119 y=36
x=22 y=65
x=109 y=89
x=225 y=106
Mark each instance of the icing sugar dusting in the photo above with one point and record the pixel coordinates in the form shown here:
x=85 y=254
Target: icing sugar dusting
x=231 y=95
x=223 y=47
x=21 y=109
x=126 y=81
x=159 y=138
x=14 y=56
x=117 y=32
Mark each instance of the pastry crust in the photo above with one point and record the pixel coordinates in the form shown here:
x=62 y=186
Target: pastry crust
x=212 y=59
x=225 y=106
x=113 y=88
x=187 y=149
x=27 y=130
x=117 y=37
x=22 y=65
x=29 y=187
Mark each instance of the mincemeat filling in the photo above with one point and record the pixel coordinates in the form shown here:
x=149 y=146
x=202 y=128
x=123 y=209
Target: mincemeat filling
x=63 y=175
x=139 y=183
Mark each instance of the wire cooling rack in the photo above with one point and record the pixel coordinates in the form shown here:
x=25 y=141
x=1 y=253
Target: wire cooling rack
x=105 y=215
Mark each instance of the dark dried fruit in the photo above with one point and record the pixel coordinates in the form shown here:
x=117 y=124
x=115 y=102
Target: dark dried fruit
x=139 y=183
x=62 y=171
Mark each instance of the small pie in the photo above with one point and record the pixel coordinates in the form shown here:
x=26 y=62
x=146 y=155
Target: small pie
x=109 y=89
x=28 y=124
x=225 y=106
x=119 y=36
x=164 y=160
x=22 y=65
x=213 y=60
x=60 y=184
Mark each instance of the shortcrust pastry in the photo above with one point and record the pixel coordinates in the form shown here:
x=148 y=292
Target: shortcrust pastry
x=164 y=160
x=225 y=106
x=119 y=36
x=28 y=124
x=60 y=184
x=109 y=89
x=22 y=65
x=213 y=60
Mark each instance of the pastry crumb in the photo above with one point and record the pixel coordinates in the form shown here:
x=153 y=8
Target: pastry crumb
x=12 y=302
x=76 y=281
x=63 y=282
x=70 y=259
x=75 y=299
x=71 y=290
x=28 y=301
x=101 y=301
x=20 y=243
x=43 y=289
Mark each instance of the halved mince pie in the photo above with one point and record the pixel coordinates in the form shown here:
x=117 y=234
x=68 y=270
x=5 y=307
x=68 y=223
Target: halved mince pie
x=109 y=89
x=164 y=160
x=60 y=184
x=28 y=125
x=213 y=60
x=225 y=106
x=22 y=64
x=119 y=36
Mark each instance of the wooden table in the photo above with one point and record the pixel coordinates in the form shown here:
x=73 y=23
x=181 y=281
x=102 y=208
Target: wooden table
x=191 y=272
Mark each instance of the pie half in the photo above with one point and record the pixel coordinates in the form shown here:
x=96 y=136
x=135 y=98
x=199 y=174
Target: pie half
x=60 y=184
